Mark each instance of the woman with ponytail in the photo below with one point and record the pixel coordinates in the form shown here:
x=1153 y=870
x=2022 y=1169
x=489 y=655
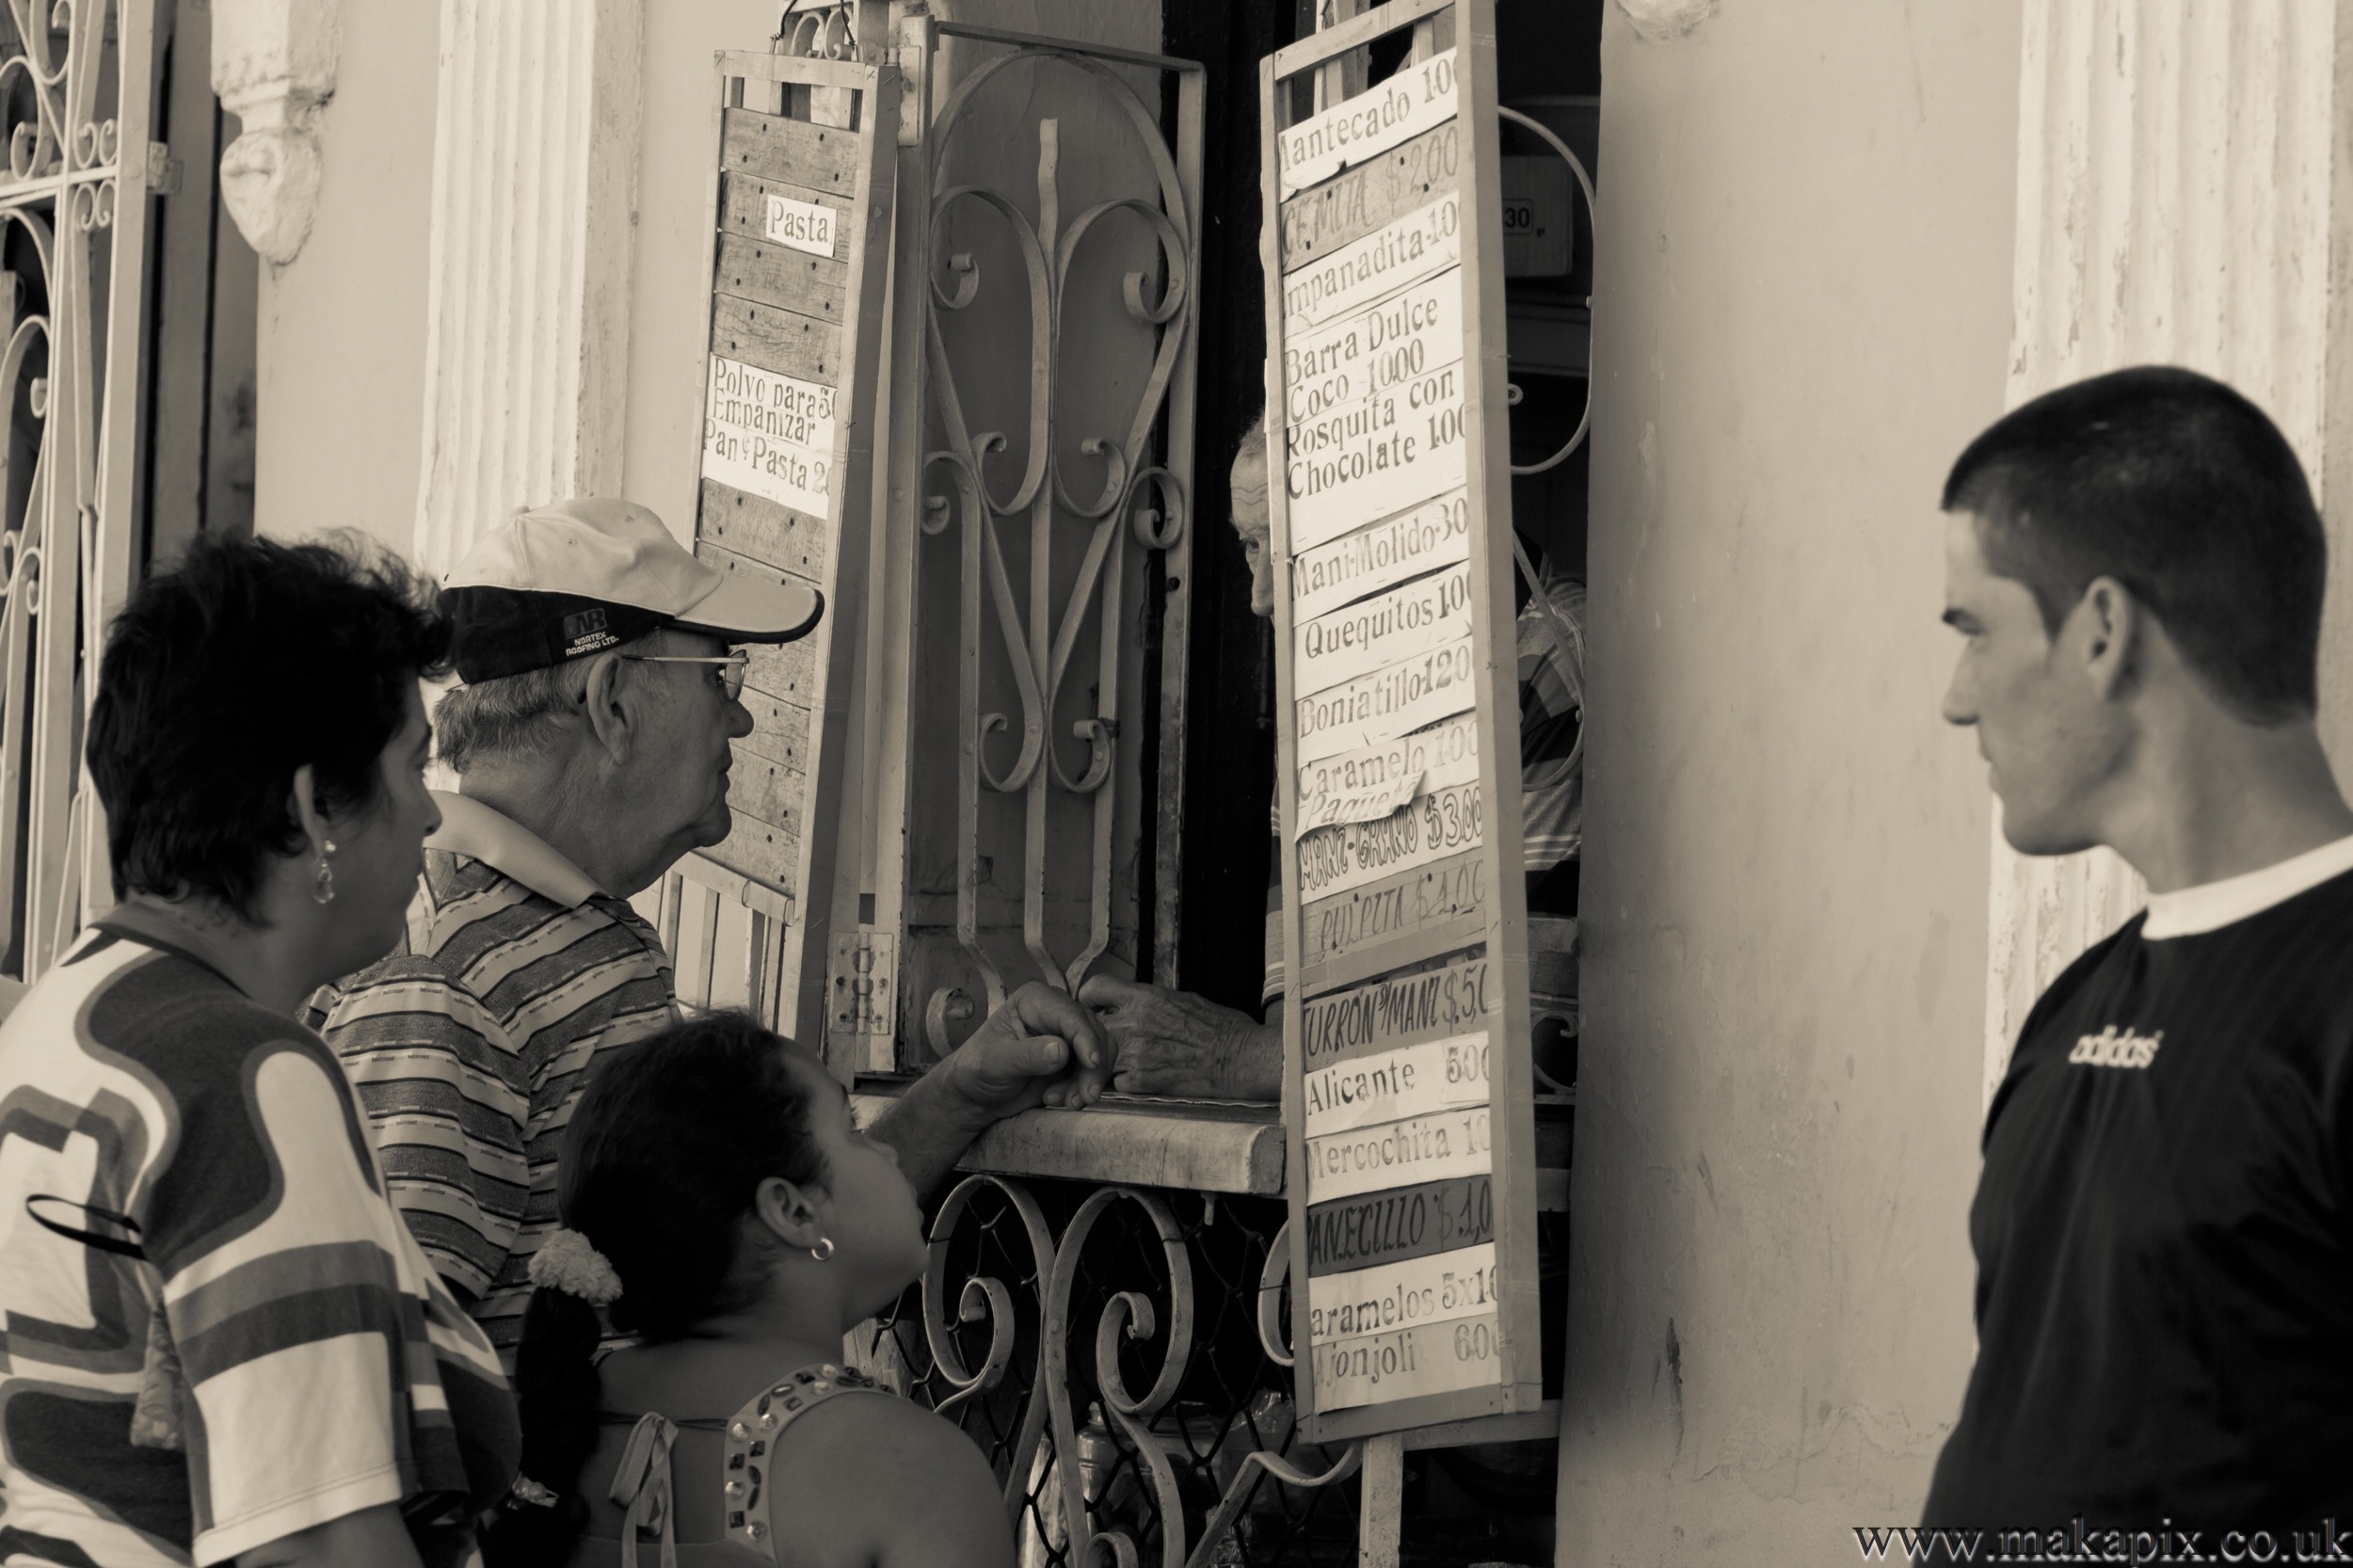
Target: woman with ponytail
x=720 y=1206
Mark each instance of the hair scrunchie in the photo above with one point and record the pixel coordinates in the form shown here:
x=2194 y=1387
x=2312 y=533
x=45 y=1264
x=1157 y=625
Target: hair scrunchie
x=565 y=1261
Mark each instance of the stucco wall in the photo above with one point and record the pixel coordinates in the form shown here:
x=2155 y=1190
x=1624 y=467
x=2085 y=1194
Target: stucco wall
x=340 y=331
x=1802 y=309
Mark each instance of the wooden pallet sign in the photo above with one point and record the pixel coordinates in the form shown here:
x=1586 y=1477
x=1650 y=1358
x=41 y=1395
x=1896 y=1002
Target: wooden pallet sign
x=1409 y=1096
x=804 y=159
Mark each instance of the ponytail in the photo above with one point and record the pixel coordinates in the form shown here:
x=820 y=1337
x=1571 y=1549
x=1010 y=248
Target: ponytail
x=556 y=1379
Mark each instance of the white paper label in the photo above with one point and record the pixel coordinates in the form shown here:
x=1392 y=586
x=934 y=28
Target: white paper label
x=769 y=435
x=1357 y=639
x=1402 y=1363
x=1427 y=905
x=1428 y=827
x=1376 y=708
x=1365 y=786
x=1355 y=566
x=1390 y=1296
x=1414 y=1080
x=1398 y=1010
x=1376 y=120
x=1373 y=411
x=1394 y=256
x=800 y=225
x=1398 y=1154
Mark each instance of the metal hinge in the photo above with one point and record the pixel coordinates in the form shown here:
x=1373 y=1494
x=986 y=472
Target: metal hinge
x=914 y=54
x=861 y=996
x=162 y=170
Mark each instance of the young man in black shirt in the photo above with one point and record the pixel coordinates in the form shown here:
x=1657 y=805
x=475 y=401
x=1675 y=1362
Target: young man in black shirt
x=2164 y=1228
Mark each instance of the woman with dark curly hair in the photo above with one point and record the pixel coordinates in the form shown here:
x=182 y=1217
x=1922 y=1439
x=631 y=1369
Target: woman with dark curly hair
x=222 y=1344
x=731 y=1432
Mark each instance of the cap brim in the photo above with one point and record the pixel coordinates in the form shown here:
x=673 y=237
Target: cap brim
x=743 y=609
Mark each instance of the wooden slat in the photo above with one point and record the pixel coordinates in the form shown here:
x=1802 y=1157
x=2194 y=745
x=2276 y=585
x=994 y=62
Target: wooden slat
x=703 y=960
x=779 y=730
x=1381 y=1501
x=784 y=670
x=1453 y=935
x=783 y=341
x=757 y=896
x=673 y=904
x=1525 y=1426
x=1319 y=47
x=760 y=849
x=771 y=274
x=797 y=71
x=744 y=211
x=766 y=788
x=781 y=727
x=759 y=529
x=1094 y=51
x=712 y=554
x=796 y=151
x=1319 y=221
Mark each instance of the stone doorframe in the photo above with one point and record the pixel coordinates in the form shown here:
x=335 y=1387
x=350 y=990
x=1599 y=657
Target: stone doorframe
x=2185 y=196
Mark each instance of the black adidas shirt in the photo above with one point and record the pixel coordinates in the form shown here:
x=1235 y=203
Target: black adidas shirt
x=2164 y=1233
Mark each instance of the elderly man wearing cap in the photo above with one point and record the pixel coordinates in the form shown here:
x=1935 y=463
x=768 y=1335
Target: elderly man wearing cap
x=590 y=736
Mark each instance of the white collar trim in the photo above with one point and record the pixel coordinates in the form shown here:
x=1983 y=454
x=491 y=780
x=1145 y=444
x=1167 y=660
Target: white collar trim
x=2194 y=911
x=498 y=840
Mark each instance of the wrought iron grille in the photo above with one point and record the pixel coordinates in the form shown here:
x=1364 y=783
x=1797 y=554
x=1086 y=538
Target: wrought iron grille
x=1121 y=1327
x=1057 y=355
x=73 y=250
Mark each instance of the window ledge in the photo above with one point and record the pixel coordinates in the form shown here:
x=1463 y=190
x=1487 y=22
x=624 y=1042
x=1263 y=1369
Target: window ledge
x=1201 y=1145
x=1198 y=1146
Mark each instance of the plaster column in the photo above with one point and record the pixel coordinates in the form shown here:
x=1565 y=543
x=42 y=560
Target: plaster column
x=535 y=164
x=2181 y=179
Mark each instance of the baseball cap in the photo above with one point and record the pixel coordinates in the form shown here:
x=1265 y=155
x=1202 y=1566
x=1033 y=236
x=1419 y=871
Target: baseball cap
x=573 y=578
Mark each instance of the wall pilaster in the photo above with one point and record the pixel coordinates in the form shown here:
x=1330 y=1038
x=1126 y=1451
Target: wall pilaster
x=2181 y=177
x=534 y=167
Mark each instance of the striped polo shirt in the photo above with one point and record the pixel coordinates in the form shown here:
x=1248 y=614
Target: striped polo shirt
x=468 y=1045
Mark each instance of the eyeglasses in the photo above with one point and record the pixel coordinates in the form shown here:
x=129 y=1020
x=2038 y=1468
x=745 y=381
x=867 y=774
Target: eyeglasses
x=731 y=671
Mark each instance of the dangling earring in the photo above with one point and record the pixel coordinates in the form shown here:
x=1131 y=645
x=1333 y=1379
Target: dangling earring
x=324 y=890
x=822 y=1250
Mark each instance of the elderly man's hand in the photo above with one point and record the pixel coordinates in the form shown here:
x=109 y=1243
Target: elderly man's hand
x=1176 y=1043
x=1041 y=1048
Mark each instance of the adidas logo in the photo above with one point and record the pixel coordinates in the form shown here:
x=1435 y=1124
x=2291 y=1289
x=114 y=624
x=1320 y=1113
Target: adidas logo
x=2111 y=1047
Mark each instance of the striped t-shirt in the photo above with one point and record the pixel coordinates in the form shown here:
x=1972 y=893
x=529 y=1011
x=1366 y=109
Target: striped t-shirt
x=215 y=1332
x=470 y=1044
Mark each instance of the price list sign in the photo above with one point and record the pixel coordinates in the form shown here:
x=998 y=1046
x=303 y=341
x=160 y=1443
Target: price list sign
x=799 y=244
x=1409 y=1099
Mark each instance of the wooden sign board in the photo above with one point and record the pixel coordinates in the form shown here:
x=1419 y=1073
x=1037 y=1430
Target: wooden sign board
x=799 y=248
x=1409 y=1097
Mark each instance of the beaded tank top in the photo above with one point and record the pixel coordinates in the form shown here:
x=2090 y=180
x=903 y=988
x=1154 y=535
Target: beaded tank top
x=644 y=1487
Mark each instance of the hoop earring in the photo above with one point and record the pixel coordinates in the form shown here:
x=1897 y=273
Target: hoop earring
x=823 y=1251
x=322 y=891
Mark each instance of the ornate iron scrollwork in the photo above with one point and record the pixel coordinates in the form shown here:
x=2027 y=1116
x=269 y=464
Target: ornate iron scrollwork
x=1133 y=500
x=57 y=200
x=1158 y=1446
